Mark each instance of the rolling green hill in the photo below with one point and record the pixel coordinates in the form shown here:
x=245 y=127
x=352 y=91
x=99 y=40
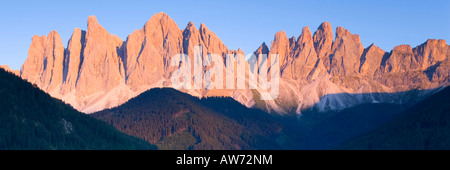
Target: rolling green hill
x=32 y=120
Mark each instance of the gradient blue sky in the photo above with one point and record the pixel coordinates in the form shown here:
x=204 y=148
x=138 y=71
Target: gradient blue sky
x=239 y=24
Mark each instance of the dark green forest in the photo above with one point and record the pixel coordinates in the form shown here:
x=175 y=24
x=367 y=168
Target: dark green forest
x=175 y=120
x=327 y=130
x=32 y=120
x=424 y=126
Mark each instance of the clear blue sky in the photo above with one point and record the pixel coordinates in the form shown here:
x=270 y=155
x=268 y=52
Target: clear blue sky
x=240 y=24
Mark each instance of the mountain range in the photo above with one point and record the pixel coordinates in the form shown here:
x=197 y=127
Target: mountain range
x=320 y=71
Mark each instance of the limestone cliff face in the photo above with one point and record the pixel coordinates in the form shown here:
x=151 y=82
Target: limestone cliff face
x=323 y=39
x=402 y=59
x=102 y=67
x=211 y=42
x=98 y=70
x=44 y=64
x=148 y=51
x=371 y=61
x=346 y=53
x=90 y=67
x=282 y=47
x=72 y=60
x=422 y=67
x=302 y=59
x=431 y=53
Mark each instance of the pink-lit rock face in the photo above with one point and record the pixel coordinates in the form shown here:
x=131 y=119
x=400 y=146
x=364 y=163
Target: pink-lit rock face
x=44 y=64
x=102 y=67
x=98 y=70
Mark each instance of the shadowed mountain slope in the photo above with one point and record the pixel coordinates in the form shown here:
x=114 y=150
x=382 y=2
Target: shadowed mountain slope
x=31 y=119
x=424 y=126
x=175 y=120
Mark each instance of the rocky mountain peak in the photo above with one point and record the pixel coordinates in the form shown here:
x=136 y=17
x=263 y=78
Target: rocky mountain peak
x=341 y=31
x=92 y=20
x=431 y=52
x=102 y=68
x=72 y=60
x=148 y=51
x=280 y=36
x=262 y=49
x=323 y=39
x=347 y=50
x=305 y=36
x=371 y=60
x=302 y=57
x=404 y=48
x=160 y=24
x=280 y=45
x=190 y=24
x=212 y=43
x=44 y=67
x=189 y=30
x=324 y=29
x=93 y=25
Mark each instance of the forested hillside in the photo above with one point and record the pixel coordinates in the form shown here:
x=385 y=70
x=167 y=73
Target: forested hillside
x=424 y=126
x=31 y=119
x=175 y=120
